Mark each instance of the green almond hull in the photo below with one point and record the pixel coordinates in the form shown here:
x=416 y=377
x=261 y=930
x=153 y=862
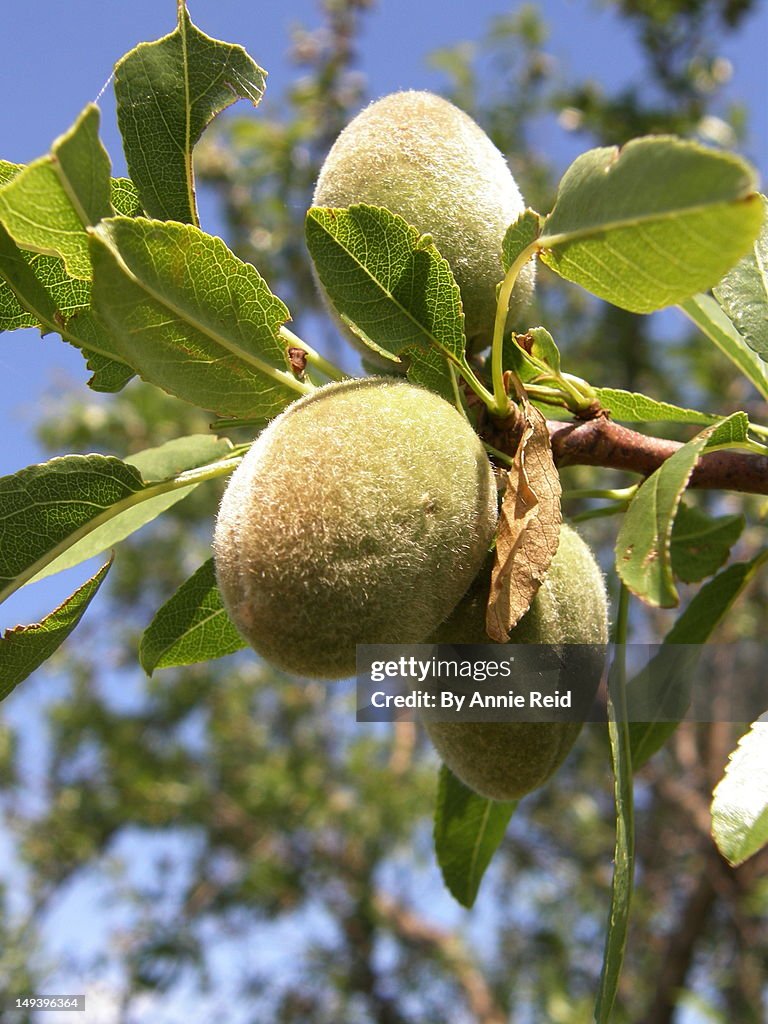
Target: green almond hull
x=359 y=516
x=507 y=760
x=419 y=156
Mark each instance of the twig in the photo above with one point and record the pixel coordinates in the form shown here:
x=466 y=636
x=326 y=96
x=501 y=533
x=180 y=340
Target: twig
x=601 y=442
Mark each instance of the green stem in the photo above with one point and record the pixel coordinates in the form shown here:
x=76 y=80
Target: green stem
x=314 y=358
x=501 y=456
x=455 y=387
x=581 y=392
x=624 y=856
x=501 y=402
x=617 y=494
x=743 y=446
x=480 y=390
x=548 y=396
x=543 y=393
x=600 y=513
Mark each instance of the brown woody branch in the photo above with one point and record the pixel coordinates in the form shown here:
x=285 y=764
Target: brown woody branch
x=601 y=442
x=415 y=931
x=677 y=959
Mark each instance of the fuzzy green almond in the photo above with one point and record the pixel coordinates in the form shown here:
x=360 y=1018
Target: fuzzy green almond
x=359 y=516
x=422 y=158
x=506 y=760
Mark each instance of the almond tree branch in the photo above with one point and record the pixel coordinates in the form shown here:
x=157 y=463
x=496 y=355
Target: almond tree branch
x=601 y=442
x=681 y=946
x=414 y=930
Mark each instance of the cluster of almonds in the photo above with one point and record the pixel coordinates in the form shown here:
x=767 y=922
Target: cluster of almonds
x=365 y=512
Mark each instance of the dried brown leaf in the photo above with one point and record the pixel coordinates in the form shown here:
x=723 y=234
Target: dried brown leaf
x=529 y=528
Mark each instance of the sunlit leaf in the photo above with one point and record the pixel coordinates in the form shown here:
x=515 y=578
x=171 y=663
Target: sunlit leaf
x=59 y=513
x=653 y=223
x=632 y=407
x=743 y=292
x=712 y=321
x=25 y=648
x=191 y=627
x=740 y=799
x=643 y=545
x=388 y=283
x=520 y=235
x=542 y=347
x=187 y=315
x=167 y=93
x=47 y=206
x=37 y=291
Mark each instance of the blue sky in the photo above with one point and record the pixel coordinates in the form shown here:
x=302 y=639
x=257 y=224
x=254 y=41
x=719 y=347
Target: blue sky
x=56 y=57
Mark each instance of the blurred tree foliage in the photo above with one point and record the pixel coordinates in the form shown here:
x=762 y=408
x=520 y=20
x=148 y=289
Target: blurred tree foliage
x=259 y=848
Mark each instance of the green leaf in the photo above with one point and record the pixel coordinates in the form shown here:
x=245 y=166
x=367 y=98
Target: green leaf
x=108 y=375
x=85 y=332
x=515 y=357
x=45 y=505
x=740 y=799
x=191 y=627
x=533 y=356
x=24 y=302
x=643 y=559
x=468 y=830
x=519 y=237
x=734 y=430
x=700 y=543
x=8 y=170
x=21 y=304
x=164 y=471
x=125 y=198
x=624 y=854
x=81 y=330
x=709 y=606
x=712 y=321
x=47 y=206
x=25 y=648
x=632 y=407
x=18 y=300
x=663 y=686
x=743 y=292
x=37 y=291
x=651 y=224
x=59 y=513
x=387 y=282
x=544 y=349
x=428 y=369
x=190 y=317
x=182 y=454
x=168 y=91
x=13 y=315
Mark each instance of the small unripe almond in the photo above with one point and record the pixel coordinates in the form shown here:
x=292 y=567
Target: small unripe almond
x=506 y=760
x=359 y=516
x=421 y=157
